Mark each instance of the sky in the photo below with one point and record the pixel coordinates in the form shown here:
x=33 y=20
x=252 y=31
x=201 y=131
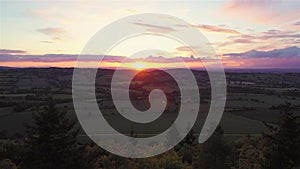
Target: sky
x=244 y=33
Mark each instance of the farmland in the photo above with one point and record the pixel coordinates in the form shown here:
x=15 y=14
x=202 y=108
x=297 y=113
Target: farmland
x=252 y=98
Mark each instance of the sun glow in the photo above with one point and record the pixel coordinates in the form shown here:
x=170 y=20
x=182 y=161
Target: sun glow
x=139 y=65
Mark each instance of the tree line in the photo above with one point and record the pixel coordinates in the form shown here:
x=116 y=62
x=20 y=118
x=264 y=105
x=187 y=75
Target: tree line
x=51 y=143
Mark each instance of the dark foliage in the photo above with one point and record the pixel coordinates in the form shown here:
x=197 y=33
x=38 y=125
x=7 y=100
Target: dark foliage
x=52 y=141
x=282 y=143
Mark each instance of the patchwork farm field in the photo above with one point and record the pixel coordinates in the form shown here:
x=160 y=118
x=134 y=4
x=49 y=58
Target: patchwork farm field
x=252 y=99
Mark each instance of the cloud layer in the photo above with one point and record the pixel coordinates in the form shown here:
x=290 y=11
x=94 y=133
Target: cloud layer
x=283 y=58
x=290 y=52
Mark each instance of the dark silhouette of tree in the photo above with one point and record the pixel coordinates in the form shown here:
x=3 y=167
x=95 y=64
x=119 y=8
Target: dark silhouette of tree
x=167 y=160
x=282 y=143
x=213 y=153
x=12 y=149
x=52 y=142
x=249 y=152
x=190 y=139
x=186 y=147
x=7 y=164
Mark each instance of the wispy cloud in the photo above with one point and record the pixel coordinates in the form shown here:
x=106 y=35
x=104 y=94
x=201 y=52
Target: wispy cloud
x=218 y=29
x=45 y=41
x=187 y=51
x=297 y=23
x=55 y=58
x=155 y=28
x=165 y=29
x=12 y=51
x=89 y=58
x=55 y=33
x=273 y=34
x=212 y=28
x=51 y=31
x=241 y=40
x=272 y=38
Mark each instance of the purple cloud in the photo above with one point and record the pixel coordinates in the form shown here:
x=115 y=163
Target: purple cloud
x=55 y=58
x=290 y=52
x=11 y=51
x=212 y=28
x=297 y=23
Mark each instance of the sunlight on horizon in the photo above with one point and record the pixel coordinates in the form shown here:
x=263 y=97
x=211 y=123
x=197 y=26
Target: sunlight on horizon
x=140 y=65
x=265 y=35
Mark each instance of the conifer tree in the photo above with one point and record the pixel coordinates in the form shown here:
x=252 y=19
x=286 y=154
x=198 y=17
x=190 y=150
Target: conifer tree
x=52 y=142
x=213 y=153
x=282 y=143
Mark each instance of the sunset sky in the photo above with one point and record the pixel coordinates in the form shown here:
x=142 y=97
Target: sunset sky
x=244 y=34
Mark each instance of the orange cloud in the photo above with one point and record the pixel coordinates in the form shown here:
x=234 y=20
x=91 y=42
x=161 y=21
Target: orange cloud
x=217 y=29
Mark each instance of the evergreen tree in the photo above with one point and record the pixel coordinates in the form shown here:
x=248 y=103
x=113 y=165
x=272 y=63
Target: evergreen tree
x=282 y=143
x=213 y=153
x=186 y=147
x=52 y=142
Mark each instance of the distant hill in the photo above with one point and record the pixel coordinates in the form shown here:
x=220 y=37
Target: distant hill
x=5 y=67
x=250 y=70
x=269 y=70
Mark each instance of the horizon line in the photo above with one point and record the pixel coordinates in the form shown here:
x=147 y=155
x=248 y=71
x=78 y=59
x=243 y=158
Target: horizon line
x=281 y=69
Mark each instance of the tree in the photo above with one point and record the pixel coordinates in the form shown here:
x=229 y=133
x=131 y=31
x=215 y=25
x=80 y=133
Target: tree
x=249 y=153
x=52 y=141
x=167 y=160
x=186 y=147
x=282 y=143
x=171 y=160
x=7 y=164
x=213 y=153
x=12 y=149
